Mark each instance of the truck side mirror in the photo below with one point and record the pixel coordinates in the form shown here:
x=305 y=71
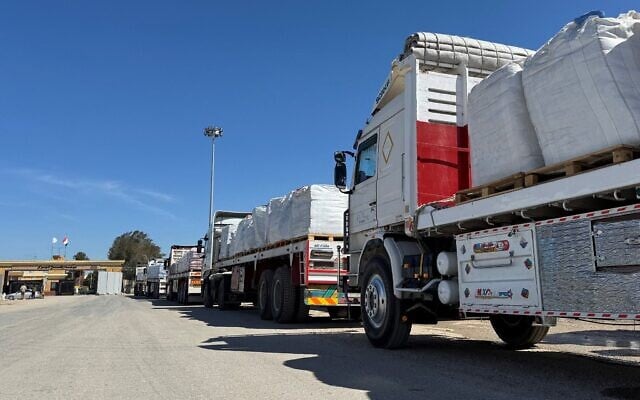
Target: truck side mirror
x=340 y=176
x=199 y=247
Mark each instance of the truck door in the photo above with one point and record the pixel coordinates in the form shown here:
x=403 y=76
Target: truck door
x=362 y=214
x=390 y=177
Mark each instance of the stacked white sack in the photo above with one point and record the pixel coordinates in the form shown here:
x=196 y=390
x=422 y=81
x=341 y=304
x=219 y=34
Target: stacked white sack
x=582 y=87
x=191 y=260
x=317 y=209
x=260 y=217
x=226 y=236
x=503 y=140
x=278 y=225
x=239 y=242
x=446 y=51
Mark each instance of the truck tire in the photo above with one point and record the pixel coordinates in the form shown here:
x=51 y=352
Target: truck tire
x=283 y=297
x=185 y=292
x=206 y=296
x=302 y=310
x=264 y=294
x=223 y=303
x=518 y=331
x=381 y=311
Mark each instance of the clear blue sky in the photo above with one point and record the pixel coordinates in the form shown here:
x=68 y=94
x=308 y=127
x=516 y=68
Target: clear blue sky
x=102 y=104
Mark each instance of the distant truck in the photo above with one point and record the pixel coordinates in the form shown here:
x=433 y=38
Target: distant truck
x=140 y=288
x=283 y=278
x=184 y=277
x=156 y=279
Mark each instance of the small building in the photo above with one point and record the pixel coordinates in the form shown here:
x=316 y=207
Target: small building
x=52 y=277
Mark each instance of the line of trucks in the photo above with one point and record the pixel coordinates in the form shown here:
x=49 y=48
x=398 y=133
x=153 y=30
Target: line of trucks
x=549 y=229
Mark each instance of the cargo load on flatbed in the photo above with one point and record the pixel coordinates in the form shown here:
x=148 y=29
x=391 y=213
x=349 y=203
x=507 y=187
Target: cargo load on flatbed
x=577 y=95
x=309 y=210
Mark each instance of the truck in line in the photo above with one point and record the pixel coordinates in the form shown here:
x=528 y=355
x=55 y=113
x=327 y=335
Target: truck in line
x=283 y=280
x=562 y=244
x=184 y=276
x=156 y=279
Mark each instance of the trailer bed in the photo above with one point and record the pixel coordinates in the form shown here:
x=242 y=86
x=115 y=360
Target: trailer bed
x=519 y=203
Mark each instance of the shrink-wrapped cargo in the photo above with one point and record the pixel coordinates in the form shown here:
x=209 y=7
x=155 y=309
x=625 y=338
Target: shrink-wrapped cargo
x=503 y=140
x=239 y=243
x=191 y=261
x=582 y=88
x=278 y=224
x=445 y=51
x=226 y=236
x=260 y=218
x=316 y=209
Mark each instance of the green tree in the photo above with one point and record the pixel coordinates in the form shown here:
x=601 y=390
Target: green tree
x=81 y=255
x=135 y=248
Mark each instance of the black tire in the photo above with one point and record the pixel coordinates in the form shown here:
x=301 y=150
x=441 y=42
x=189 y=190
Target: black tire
x=185 y=292
x=264 y=294
x=206 y=296
x=518 y=331
x=283 y=297
x=382 y=317
x=302 y=310
x=223 y=303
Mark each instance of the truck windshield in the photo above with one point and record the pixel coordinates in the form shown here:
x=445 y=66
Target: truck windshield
x=366 y=164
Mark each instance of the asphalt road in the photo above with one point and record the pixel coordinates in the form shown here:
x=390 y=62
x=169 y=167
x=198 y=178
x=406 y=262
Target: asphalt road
x=106 y=347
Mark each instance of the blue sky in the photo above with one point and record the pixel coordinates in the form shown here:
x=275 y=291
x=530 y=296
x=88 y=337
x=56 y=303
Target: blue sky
x=102 y=104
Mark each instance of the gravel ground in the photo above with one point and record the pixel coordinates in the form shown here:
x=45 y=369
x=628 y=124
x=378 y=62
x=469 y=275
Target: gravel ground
x=104 y=347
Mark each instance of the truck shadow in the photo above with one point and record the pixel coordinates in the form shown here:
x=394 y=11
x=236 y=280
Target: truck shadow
x=439 y=367
x=613 y=342
x=245 y=317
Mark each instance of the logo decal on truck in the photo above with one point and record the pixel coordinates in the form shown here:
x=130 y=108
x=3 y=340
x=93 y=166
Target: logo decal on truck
x=486 y=293
x=491 y=247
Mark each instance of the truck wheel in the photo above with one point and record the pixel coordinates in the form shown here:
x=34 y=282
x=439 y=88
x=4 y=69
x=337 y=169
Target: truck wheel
x=206 y=296
x=283 y=296
x=185 y=293
x=381 y=310
x=264 y=294
x=518 y=331
x=302 y=310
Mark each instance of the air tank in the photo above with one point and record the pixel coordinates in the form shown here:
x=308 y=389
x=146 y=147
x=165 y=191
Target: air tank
x=448 y=292
x=447 y=263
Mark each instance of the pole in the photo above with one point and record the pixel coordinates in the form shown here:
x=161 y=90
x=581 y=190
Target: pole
x=213 y=152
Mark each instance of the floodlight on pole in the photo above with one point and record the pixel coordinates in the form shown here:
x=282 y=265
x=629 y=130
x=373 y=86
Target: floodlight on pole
x=212 y=132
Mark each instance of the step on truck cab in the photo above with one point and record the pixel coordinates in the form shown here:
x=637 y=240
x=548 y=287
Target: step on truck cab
x=563 y=248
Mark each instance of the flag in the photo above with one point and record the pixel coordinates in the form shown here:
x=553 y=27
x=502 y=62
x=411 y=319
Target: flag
x=54 y=240
x=65 y=241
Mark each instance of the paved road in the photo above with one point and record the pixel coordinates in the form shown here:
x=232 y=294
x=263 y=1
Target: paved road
x=119 y=347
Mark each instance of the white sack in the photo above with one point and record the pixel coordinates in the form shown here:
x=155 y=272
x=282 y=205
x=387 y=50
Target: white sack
x=503 y=140
x=582 y=87
x=239 y=241
x=317 y=209
x=260 y=217
x=226 y=236
x=278 y=225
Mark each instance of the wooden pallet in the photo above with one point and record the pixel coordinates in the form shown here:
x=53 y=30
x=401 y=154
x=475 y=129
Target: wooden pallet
x=512 y=182
x=574 y=166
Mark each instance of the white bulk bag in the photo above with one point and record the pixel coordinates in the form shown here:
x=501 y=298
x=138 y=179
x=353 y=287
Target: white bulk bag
x=503 y=140
x=582 y=87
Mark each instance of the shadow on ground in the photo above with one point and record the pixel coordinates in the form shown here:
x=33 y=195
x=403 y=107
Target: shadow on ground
x=433 y=366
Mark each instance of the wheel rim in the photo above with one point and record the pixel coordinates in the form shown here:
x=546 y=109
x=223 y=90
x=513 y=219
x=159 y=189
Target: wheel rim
x=375 y=301
x=263 y=295
x=277 y=296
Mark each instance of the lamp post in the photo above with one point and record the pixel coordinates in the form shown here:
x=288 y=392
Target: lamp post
x=212 y=132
